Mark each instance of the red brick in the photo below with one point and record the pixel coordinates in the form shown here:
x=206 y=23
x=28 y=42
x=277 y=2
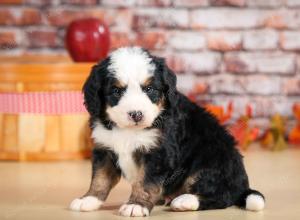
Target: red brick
x=120 y=39
x=41 y=2
x=268 y=106
x=19 y=16
x=156 y=3
x=276 y=19
x=262 y=85
x=187 y=40
x=289 y=40
x=206 y=62
x=80 y=2
x=224 y=84
x=118 y=3
x=42 y=38
x=291 y=86
x=241 y=85
x=62 y=17
x=9 y=39
x=151 y=40
x=167 y=18
x=190 y=3
x=120 y=19
x=260 y=40
x=293 y=3
x=265 y=3
x=224 y=41
x=238 y=3
x=231 y=18
x=115 y=18
x=185 y=82
x=282 y=19
x=273 y=63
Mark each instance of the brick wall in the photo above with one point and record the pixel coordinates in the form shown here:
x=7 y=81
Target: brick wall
x=243 y=51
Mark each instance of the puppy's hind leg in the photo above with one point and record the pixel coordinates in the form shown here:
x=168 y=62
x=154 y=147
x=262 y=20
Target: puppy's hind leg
x=105 y=175
x=190 y=202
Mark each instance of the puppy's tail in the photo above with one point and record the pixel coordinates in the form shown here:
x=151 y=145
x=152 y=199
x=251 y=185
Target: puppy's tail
x=251 y=200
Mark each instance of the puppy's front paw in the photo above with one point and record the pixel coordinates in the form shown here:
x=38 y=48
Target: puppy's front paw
x=133 y=210
x=185 y=202
x=86 y=204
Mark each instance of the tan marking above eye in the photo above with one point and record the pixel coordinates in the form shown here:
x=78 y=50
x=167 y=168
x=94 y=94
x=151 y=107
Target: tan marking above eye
x=119 y=84
x=147 y=82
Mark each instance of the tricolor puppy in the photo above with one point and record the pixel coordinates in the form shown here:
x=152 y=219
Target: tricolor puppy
x=167 y=147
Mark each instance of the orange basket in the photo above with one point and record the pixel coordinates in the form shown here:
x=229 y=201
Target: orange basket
x=35 y=129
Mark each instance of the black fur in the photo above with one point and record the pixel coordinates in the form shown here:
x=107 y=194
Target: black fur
x=192 y=142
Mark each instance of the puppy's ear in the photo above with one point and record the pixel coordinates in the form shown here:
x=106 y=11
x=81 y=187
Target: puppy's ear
x=169 y=79
x=93 y=99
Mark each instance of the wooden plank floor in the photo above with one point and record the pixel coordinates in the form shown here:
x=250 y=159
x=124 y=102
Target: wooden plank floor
x=44 y=190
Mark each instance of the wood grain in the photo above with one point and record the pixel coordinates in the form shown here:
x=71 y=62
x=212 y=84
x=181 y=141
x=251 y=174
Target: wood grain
x=31 y=135
x=35 y=58
x=73 y=132
x=1 y=131
x=10 y=133
x=43 y=77
x=53 y=134
x=43 y=137
x=7 y=87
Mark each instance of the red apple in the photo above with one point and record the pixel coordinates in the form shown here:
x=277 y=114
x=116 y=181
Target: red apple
x=87 y=40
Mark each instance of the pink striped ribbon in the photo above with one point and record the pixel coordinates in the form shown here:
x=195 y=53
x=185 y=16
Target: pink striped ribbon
x=65 y=102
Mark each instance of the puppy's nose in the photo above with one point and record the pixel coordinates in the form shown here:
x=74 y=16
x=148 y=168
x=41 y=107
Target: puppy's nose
x=136 y=116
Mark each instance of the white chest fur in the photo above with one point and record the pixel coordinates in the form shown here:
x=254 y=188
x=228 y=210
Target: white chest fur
x=124 y=142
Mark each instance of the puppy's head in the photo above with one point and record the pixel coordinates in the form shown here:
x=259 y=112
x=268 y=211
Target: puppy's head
x=130 y=89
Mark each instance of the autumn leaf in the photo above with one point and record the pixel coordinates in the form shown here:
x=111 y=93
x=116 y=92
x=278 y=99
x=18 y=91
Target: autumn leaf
x=294 y=135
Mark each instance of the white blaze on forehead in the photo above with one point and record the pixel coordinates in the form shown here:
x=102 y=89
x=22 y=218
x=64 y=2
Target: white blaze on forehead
x=131 y=64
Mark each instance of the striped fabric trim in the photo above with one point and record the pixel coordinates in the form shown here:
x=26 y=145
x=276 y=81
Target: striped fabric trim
x=42 y=102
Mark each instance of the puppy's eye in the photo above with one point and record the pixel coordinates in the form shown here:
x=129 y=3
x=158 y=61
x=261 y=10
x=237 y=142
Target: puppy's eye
x=117 y=91
x=148 y=89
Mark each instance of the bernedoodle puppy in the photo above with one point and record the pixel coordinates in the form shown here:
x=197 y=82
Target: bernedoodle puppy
x=167 y=147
